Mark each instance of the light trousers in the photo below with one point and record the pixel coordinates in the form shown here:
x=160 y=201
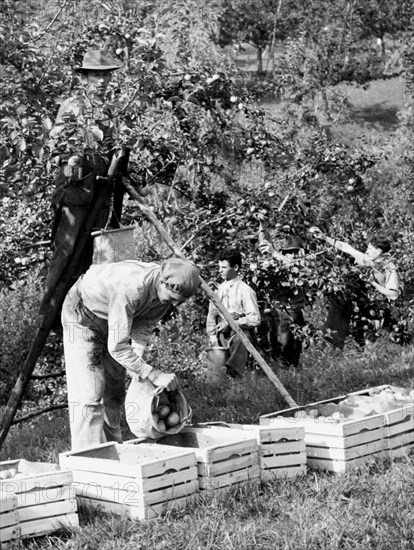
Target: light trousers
x=95 y=381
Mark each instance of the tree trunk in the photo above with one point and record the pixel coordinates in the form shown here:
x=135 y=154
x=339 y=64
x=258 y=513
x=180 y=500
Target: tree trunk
x=259 y=60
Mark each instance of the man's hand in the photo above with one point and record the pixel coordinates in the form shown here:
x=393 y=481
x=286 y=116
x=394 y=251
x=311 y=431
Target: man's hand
x=265 y=247
x=316 y=232
x=214 y=342
x=167 y=380
x=220 y=327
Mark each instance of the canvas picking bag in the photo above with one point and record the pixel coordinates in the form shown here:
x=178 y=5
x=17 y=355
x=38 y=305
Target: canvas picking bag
x=143 y=400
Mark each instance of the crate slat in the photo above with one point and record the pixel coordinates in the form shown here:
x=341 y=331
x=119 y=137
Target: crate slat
x=281 y=461
x=233 y=464
x=44 y=526
x=45 y=494
x=231 y=478
x=30 y=513
x=9 y=533
x=345 y=453
x=226 y=451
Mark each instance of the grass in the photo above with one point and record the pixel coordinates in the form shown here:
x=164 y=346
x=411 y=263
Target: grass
x=369 y=508
x=371 y=110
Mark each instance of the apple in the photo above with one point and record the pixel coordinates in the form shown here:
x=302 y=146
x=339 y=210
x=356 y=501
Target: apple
x=172 y=419
x=350 y=188
x=163 y=411
x=233 y=98
x=162 y=427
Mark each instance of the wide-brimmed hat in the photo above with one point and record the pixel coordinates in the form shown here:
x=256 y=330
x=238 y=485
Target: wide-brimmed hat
x=98 y=60
x=292 y=243
x=181 y=277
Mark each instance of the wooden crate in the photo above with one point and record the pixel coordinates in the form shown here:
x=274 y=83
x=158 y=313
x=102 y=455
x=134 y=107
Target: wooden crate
x=224 y=457
x=44 y=497
x=141 y=481
x=399 y=429
x=399 y=425
x=9 y=518
x=335 y=446
x=282 y=450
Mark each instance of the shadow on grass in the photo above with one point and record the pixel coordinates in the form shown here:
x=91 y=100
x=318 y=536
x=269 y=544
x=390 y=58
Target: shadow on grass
x=378 y=115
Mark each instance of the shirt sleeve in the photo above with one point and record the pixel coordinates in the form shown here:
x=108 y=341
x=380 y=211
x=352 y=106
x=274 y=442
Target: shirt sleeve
x=251 y=316
x=127 y=338
x=392 y=280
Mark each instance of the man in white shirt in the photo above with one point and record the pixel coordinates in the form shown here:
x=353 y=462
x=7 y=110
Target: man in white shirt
x=241 y=302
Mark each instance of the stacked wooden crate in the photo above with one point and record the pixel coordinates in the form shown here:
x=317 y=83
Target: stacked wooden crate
x=43 y=494
x=141 y=481
x=331 y=445
x=399 y=429
x=399 y=424
x=339 y=445
x=282 y=450
x=224 y=457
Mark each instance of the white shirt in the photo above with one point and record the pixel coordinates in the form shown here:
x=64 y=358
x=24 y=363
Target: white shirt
x=240 y=301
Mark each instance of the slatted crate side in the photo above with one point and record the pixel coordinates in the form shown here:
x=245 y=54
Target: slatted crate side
x=400 y=430
x=45 y=501
x=228 y=450
x=47 y=525
x=44 y=485
x=223 y=456
x=140 y=512
x=133 y=478
x=339 y=441
x=128 y=459
x=227 y=478
x=346 y=453
x=325 y=426
x=136 y=491
x=280 y=448
x=9 y=518
x=280 y=459
x=339 y=466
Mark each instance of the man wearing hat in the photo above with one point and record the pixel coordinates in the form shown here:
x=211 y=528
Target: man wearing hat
x=82 y=141
x=283 y=343
x=108 y=317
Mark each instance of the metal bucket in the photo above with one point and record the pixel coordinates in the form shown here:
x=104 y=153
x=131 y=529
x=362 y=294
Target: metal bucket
x=216 y=361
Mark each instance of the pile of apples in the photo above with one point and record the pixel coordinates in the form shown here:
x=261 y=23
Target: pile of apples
x=164 y=415
x=379 y=400
x=10 y=474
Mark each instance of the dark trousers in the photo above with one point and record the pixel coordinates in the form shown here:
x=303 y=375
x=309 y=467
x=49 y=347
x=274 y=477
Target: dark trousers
x=236 y=363
x=336 y=327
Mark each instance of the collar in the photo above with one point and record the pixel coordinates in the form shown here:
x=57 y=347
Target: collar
x=233 y=281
